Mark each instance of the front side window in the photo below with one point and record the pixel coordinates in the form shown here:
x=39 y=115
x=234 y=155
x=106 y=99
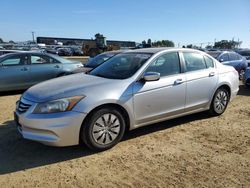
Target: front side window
x=224 y=57
x=121 y=66
x=194 y=61
x=14 y=60
x=167 y=64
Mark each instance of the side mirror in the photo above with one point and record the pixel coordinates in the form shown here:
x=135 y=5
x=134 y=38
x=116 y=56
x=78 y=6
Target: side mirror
x=151 y=76
x=221 y=60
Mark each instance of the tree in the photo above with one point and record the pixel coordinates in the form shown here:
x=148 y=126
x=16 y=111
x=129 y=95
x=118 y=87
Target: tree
x=209 y=47
x=1 y=40
x=164 y=43
x=149 y=41
x=143 y=42
x=225 y=44
x=11 y=42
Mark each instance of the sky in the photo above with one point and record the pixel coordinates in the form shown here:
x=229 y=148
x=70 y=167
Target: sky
x=182 y=21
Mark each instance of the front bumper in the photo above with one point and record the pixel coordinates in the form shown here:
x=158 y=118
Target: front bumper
x=55 y=129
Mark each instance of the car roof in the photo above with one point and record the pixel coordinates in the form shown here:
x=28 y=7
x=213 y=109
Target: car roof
x=160 y=49
x=115 y=51
x=27 y=52
x=12 y=51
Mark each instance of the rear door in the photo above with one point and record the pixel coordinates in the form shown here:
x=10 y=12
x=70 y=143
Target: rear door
x=43 y=67
x=201 y=77
x=14 y=72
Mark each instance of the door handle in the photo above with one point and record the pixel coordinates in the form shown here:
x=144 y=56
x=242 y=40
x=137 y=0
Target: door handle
x=211 y=74
x=178 y=81
x=57 y=66
x=24 y=69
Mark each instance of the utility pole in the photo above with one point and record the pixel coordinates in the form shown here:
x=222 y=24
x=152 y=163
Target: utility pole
x=33 y=36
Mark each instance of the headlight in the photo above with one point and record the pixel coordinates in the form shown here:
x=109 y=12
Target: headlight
x=59 y=105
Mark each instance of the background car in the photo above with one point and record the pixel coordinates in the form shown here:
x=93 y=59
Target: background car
x=246 y=77
x=246 y=54
x=101 y=58
x=64 y=52
x=231 y=58
x=130 y=90
x=22 y=70
x=76 y=51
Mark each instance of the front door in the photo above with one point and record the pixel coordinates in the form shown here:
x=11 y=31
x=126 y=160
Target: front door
x=155 y=100
x=43 y=68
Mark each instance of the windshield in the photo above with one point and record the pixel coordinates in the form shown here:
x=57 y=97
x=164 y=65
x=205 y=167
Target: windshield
x=122 y=66
x=94 y=62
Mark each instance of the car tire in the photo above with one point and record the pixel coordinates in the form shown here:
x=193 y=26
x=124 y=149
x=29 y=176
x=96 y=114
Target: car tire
x=219 y=103
x=241 y=74
x=103 y=129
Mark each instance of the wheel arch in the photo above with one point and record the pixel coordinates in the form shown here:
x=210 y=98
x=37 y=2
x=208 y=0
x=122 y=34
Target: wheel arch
x=227 y=87
x=114 y=105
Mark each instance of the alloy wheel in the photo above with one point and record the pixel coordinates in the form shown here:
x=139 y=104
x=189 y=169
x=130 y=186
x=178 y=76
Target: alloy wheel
x=106 y=129
x=220 y=102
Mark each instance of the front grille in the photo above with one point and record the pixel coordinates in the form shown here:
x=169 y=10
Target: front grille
x=23 y=106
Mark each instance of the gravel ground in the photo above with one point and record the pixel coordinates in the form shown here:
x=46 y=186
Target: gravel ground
x=192 y=151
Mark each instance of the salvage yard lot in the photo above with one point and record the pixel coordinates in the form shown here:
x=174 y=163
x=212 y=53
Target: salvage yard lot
x=192 y=151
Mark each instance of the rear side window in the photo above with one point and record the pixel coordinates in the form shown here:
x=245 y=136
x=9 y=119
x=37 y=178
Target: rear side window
x=35 y=59
x=233 y=57
x=41 y=59
x=238 y=57
x=209 y=61
x=194 y=61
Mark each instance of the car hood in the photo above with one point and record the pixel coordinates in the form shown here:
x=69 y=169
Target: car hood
x=67 y=86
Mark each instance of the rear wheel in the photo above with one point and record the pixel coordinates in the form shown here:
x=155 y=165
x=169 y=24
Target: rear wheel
x=241 y=74
x=220 y=102
x=103 y=129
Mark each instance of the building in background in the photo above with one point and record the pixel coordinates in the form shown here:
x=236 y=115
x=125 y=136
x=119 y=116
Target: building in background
x=81 y=42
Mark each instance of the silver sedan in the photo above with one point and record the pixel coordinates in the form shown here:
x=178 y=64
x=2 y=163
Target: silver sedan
x=130 y=90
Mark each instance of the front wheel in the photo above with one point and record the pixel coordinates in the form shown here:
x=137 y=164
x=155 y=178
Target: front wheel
x=103 y=129
x=219 y=102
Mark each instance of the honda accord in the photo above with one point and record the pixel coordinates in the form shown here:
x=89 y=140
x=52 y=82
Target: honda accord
x=130 y=90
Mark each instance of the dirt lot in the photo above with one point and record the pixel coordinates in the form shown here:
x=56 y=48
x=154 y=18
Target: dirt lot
x=192 y=151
